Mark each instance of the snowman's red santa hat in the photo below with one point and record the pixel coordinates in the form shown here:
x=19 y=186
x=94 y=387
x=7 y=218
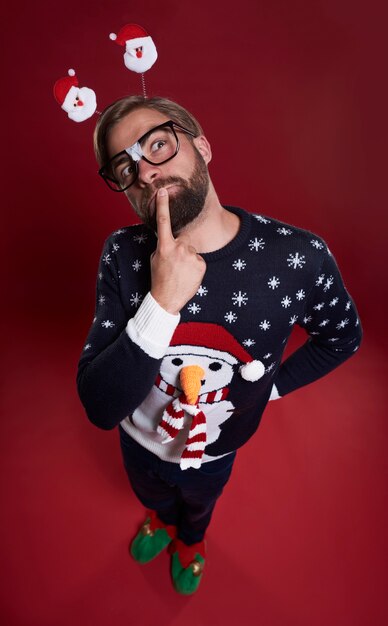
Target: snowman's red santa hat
x=65 y=90
x=215 y=341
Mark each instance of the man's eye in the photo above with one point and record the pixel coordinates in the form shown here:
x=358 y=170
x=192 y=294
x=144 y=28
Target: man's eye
x=126 y=171
x=157 y=145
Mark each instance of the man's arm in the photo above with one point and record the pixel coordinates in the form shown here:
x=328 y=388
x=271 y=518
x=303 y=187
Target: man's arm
x=331 y=319
x=121 y=357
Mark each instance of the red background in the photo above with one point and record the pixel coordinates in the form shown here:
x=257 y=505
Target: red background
x=291 y=97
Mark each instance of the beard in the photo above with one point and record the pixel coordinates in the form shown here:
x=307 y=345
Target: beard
x=187 y=202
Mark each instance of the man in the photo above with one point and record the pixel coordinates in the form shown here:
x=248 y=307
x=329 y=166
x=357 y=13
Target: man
x=194 y=308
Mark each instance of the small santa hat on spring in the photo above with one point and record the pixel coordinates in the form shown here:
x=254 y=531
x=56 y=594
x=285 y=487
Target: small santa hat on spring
x=63 y=86
x=127 y=33
x=213 y=339
x=140 y=51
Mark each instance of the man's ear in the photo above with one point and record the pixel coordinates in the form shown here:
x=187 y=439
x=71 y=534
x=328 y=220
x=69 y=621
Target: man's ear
x=203 y=146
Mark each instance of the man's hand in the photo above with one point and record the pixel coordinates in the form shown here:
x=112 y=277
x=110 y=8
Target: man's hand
x=176 y=268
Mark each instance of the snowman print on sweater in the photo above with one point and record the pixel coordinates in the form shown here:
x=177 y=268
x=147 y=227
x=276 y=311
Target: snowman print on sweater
x=189 y=400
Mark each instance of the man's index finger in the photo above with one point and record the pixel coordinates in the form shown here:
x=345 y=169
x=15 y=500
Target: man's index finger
x=163 y=219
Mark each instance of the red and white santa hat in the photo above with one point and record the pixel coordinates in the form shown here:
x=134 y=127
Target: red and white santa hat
x=140 y=51
x=65 y=90
x=130 y=32
x=215 y=341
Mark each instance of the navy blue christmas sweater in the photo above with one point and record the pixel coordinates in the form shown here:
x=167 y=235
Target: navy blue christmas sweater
x=192 y=387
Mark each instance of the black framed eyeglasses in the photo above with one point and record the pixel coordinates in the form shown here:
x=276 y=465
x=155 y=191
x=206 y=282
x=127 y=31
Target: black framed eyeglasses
x=156 y=146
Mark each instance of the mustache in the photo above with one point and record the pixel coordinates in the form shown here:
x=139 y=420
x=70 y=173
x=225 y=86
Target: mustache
x=150 y=191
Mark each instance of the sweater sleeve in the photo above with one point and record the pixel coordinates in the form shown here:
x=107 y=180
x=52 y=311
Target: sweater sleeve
x=333 y=325
x=122 y=353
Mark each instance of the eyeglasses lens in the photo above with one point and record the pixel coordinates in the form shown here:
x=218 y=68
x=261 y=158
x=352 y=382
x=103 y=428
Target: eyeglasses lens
x=157 y=147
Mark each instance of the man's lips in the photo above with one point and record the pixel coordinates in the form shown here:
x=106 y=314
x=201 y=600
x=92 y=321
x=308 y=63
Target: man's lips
x=151 y=206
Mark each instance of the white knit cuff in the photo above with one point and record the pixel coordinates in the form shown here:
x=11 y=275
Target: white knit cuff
x=274 y=393
x=152 y=327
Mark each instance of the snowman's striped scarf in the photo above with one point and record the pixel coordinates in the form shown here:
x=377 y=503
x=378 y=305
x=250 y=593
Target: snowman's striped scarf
x=173 y=420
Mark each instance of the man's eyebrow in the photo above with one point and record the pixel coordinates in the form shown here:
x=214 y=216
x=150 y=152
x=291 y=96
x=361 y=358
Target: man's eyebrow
x=148 y=135
x=122 y=156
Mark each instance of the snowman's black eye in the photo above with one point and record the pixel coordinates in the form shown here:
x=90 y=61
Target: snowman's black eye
x=177 y=361
x=215 y=366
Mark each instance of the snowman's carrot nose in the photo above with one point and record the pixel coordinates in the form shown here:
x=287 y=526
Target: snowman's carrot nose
x=190 y=377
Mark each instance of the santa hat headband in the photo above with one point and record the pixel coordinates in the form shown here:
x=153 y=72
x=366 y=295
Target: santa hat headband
x=217 y=338
x=140 y=54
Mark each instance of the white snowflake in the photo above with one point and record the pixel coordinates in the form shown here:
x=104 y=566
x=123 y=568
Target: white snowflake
x=270 y=367
x=357 y=322
x=135 y=299
x=293 y=319
x=115 y=247
x=202 y=291
x=107 y=324
x=273 y=282
x=106 y=258
x=249 y=342
x=239 y=298
x=320 y=280
x=333 y=339
x=101 y=299
x=256 y=244
x=194 y=308
x=88 y=346
x=319 y=306
x=136 y=265
x=300 y=294
x=333 y=302
x=317 y=244
x=239 y=264
x=266 y=356
x=94 y=320
x=328 y=283
x=314 y=333
x=118 y=273
x=140 y=238
x=348 y=305
x=262 y=219
x=286 y=301
x=342 y=323
x=296 y=260
x=324 y=322
x=100 y=275
x=307 y=319
x=119 y=231
x=230 y=317
x=284 y=231
x=265 y=325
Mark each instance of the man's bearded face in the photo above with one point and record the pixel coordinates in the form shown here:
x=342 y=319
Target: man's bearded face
x=185 y=203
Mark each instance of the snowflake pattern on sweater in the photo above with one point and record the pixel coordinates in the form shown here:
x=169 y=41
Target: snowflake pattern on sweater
x=272 y=276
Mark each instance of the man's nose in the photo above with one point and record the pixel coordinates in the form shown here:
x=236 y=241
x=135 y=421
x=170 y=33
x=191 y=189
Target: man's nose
x=147 y=172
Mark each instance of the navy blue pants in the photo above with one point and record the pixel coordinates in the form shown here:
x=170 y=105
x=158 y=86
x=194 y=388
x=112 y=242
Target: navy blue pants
x=185 y=498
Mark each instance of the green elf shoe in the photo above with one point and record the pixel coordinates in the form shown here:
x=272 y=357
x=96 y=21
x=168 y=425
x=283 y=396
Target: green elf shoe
x=152 y=538
x=187 y=563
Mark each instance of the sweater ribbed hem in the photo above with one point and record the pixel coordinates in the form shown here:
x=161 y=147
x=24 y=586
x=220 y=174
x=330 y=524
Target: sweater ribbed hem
x=159 y=449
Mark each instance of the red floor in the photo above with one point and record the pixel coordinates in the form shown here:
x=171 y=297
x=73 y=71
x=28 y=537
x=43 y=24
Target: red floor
x=299 y=537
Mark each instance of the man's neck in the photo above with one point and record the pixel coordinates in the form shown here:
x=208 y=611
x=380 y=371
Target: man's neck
x=214 y=228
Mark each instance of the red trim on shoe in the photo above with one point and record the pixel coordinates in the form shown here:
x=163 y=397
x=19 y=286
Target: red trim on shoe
x=187 y=553
x=156 y=523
